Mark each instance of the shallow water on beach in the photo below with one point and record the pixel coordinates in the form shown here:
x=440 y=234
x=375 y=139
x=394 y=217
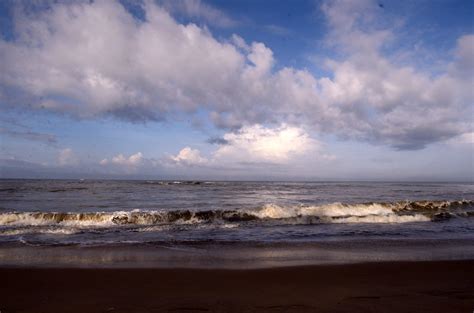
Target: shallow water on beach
x=236 y=255
x=101 y=213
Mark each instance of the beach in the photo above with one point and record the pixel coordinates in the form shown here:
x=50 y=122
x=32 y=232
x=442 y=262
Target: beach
x=89 y=246
x=436 y=286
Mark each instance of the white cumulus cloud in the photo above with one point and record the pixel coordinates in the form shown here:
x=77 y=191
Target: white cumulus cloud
x=131 y=161
x=257 y=143
x=93 y=59
x=188 y=156
x=66 y=157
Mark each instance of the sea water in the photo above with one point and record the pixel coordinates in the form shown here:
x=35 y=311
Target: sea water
x=434 y=220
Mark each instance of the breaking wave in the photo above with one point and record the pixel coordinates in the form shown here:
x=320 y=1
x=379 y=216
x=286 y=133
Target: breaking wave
x=397 y=212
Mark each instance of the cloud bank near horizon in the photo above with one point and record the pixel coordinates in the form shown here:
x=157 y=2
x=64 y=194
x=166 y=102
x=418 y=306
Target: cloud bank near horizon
x=251 y=147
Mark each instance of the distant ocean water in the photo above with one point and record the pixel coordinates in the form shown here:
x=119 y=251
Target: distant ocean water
x=104 y=213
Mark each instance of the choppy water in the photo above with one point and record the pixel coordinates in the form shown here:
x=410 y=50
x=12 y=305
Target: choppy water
x=88 y=213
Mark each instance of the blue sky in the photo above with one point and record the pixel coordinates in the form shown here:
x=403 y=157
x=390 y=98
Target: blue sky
x=285 y=90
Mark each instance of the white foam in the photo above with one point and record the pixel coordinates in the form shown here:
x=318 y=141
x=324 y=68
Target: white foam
x=340 y=213
x=66 y=219
x=329 y=210
x=228 y=225
x=391 y=218
x=338 y=209
x=274 y=211
x=22 y=231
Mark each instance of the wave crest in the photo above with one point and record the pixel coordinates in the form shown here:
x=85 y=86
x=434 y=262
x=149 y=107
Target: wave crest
x=396 y=212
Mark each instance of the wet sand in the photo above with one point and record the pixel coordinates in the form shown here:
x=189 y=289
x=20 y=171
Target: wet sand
x=436 y=286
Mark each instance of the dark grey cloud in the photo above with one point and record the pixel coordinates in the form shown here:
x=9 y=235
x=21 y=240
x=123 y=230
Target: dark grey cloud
x=217 y=141
x=29 y=135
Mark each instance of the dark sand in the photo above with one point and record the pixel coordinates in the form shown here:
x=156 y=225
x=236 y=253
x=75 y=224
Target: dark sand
x=445 y=286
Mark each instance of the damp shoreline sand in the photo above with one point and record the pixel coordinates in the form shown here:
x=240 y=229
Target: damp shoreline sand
x=423 y=286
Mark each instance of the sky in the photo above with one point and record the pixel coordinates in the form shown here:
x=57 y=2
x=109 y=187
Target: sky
x=237 y=90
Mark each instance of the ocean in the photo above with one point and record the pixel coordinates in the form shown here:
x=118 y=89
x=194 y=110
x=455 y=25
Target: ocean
x=118 y=222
